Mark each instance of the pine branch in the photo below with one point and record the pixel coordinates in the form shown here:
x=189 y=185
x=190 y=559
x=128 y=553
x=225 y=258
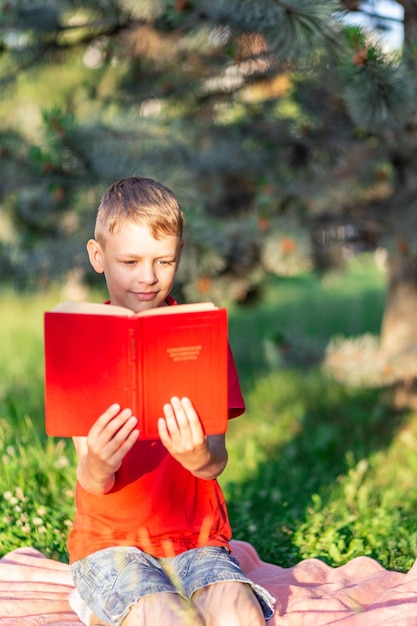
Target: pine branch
x=40 y=31
x=379 y=93
x=293 y=28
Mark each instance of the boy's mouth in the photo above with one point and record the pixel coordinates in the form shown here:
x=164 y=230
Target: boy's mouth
x=144 y=295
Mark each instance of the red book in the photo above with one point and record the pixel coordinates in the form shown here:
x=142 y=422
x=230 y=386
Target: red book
x=98 y=354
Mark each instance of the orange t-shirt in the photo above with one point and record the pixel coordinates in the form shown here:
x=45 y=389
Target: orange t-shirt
x=155 y=504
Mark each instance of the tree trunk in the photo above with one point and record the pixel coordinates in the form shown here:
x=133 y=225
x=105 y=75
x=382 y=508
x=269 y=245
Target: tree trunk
x=410 y=21
x=399 y=332
x=399 y=326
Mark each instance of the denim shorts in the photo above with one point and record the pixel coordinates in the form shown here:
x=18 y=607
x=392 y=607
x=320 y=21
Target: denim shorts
x=111 y=581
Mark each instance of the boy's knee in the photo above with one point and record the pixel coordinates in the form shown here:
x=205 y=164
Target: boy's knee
x=229 y=604
x=162 y=608
x=237 y=617
x=241 y=613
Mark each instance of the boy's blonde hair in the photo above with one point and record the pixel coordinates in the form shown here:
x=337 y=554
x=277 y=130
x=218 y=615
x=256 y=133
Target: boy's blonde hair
x=140 y=200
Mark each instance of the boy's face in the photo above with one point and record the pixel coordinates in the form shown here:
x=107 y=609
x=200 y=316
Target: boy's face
x=138 y=268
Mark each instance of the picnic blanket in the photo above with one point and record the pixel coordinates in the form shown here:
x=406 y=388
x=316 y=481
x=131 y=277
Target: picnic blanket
x=34 y=591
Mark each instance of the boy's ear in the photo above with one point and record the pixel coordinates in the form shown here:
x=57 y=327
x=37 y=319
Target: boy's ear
x=179 y=254
x=95 y=254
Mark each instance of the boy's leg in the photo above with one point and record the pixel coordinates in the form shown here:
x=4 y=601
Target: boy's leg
x=224 y=595
x=163 y=608
x=96 y=621
x=123 y=585
x=229 y=604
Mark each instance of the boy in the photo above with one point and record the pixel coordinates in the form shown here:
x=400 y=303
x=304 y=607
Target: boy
x=149 y=544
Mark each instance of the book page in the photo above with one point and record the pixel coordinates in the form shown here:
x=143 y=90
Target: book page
x=96 y=308
x=179 y=308
x=99 y=308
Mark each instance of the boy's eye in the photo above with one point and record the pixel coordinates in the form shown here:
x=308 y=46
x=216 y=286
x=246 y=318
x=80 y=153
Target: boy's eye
x=129 y=262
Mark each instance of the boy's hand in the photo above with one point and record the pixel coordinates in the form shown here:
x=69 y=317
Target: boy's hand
x=102 y=451
x=182 y=435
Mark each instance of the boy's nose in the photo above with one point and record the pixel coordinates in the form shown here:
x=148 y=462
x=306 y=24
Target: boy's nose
x=146 y=274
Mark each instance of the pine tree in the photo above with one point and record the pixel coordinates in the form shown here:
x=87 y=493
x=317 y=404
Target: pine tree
x=276 y=124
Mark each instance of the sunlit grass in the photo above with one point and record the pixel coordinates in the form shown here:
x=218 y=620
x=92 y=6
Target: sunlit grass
x=36 y=490
x=21 y=365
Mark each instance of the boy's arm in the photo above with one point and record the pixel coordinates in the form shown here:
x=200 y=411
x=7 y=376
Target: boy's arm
x=100 y=454
x=182 y=434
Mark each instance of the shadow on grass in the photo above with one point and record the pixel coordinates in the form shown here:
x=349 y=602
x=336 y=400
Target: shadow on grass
x=302 y=432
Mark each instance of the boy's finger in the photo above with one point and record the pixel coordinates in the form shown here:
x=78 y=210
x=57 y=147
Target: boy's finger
x=171 y=417
x=111 y=421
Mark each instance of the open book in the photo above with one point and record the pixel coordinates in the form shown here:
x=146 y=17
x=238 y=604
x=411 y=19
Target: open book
x=98 y=354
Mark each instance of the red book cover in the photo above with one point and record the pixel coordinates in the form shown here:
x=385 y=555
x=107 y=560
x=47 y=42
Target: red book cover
x=98 y=354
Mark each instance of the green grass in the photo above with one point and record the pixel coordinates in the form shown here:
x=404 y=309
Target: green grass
x=316 y=468
x=37 y=478
x=307 y=311
x=37 y=490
